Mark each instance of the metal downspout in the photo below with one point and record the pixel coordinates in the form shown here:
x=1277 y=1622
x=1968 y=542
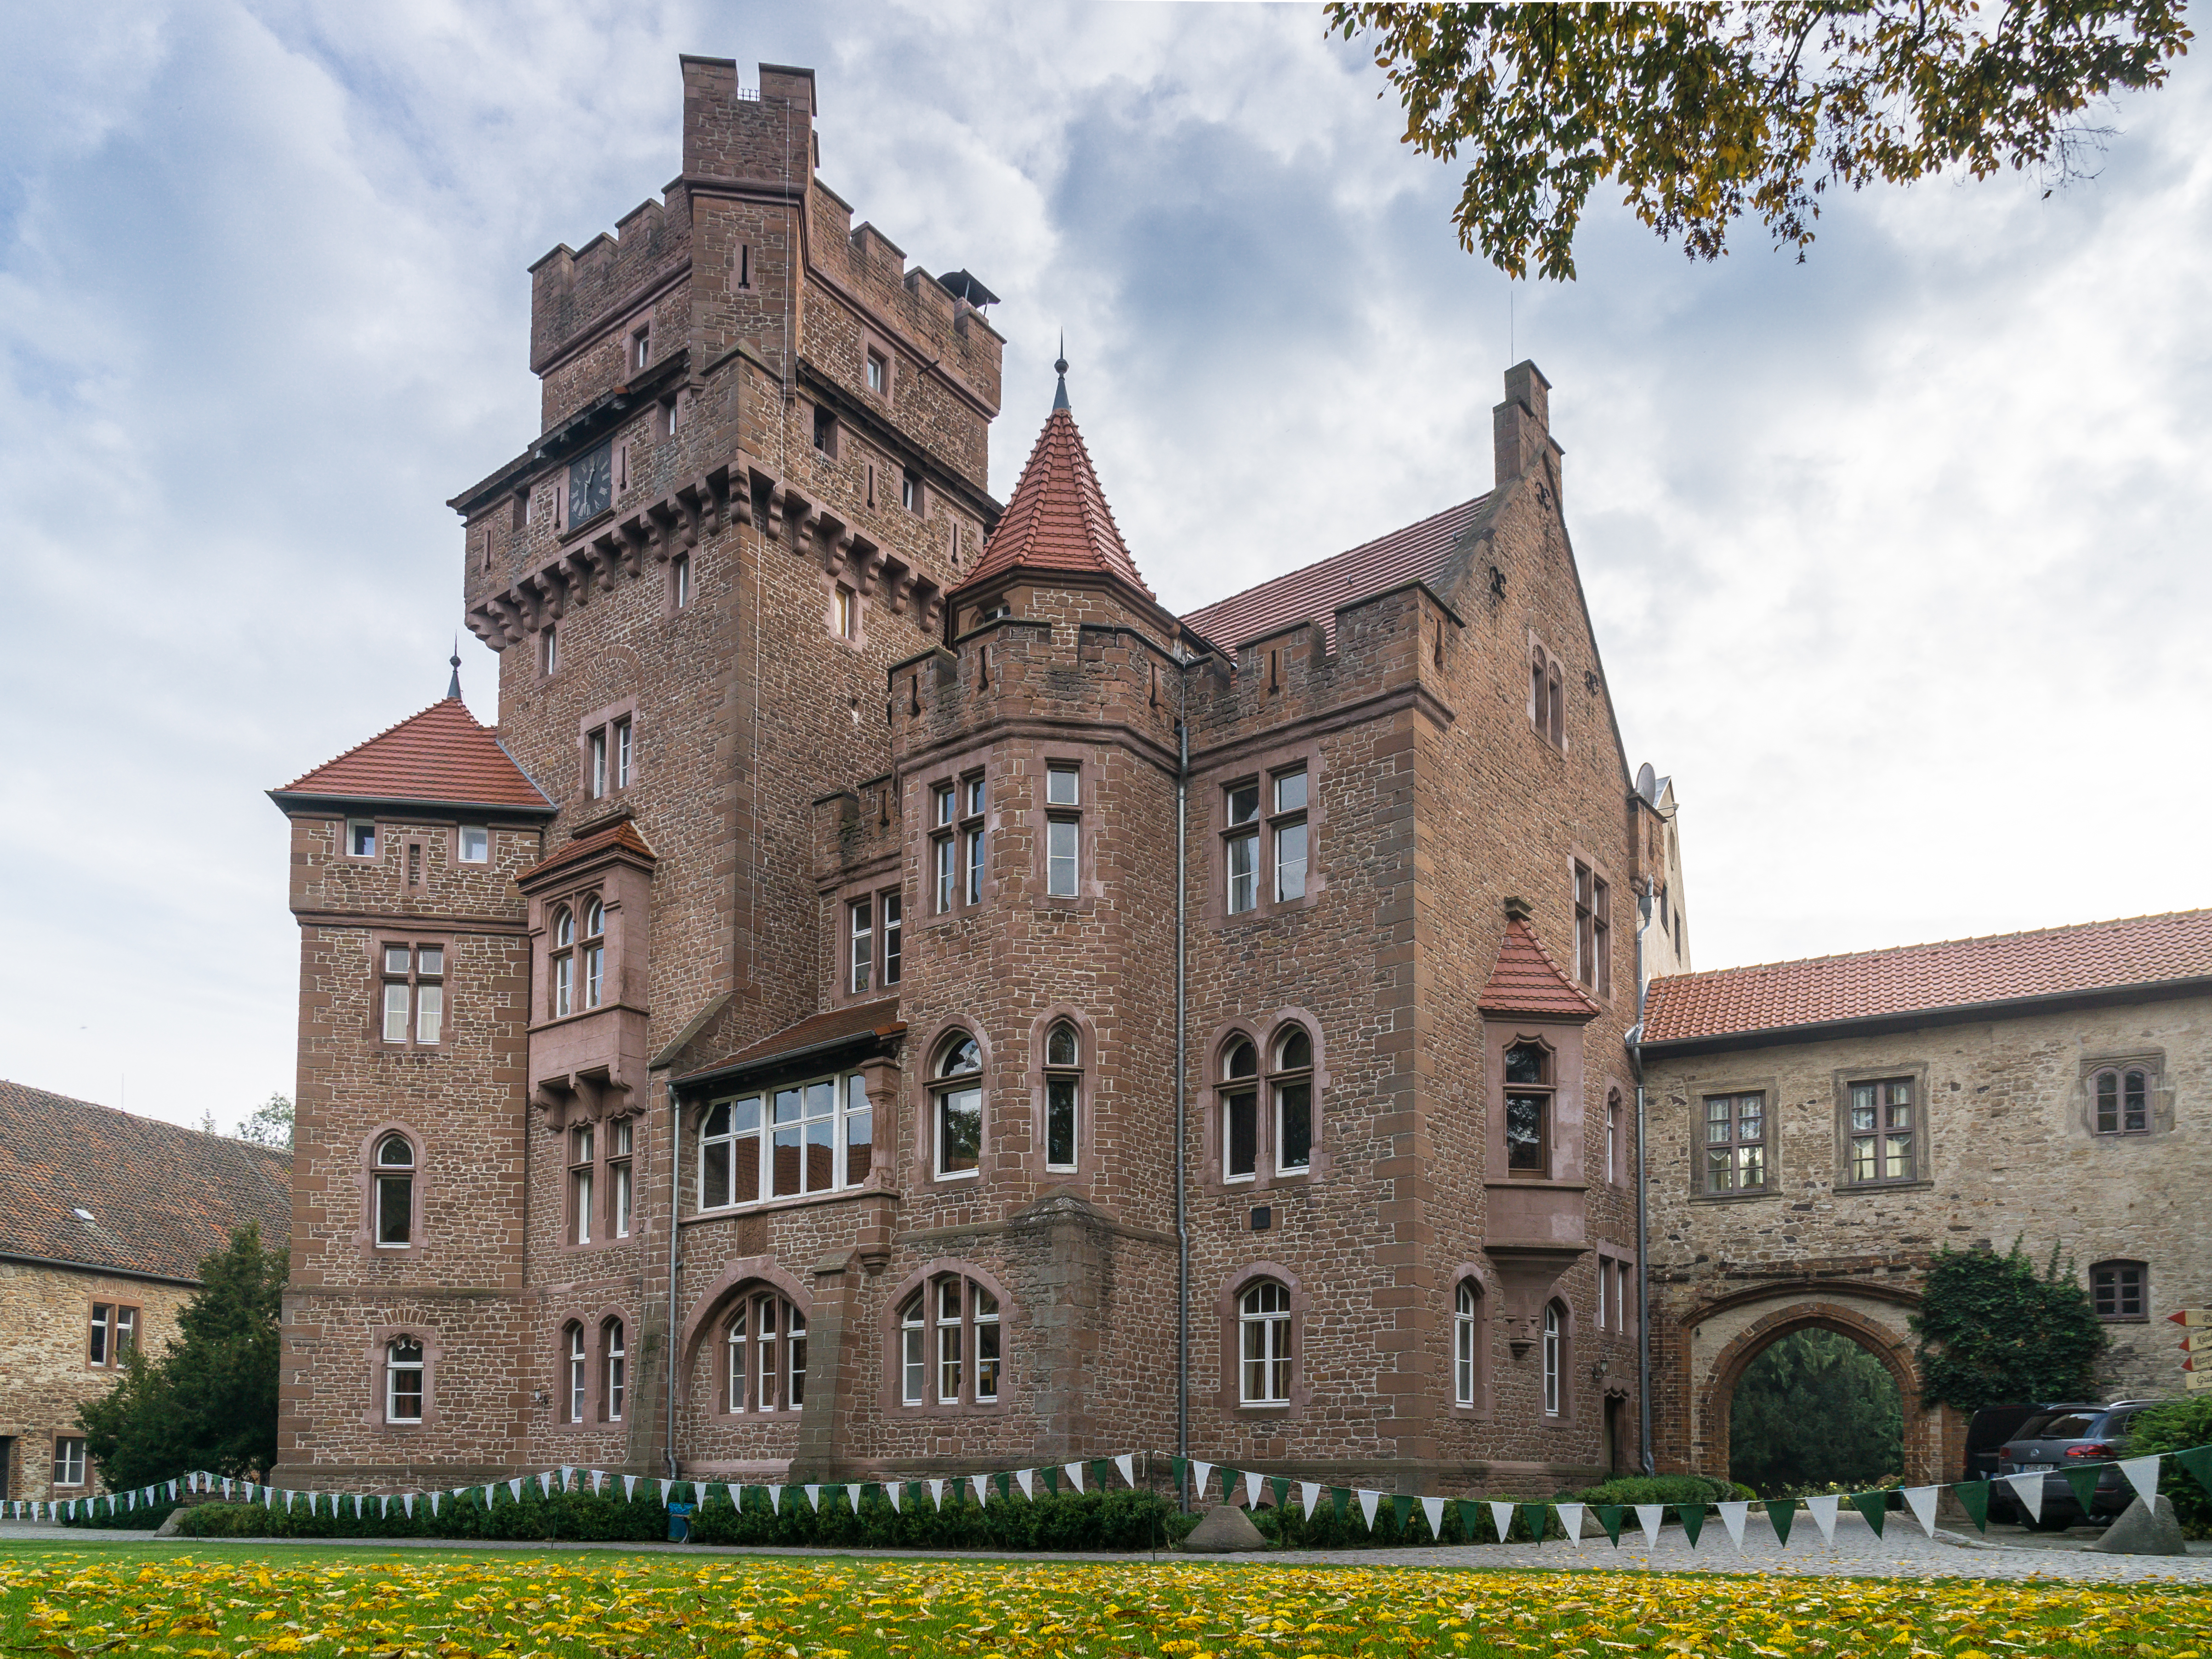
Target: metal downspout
x=675 y=1166
x=1642 y=1217
x=1181 y=1216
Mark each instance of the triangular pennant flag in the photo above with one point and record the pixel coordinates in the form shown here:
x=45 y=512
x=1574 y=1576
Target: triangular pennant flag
x=598 y=1479
x=407 y=1503
x=514 y=1489
x=1537 y=1518
x=1310 y=1495
x=1050 y=1476
x=1973 y=1497
x=2028 y=1488
x=226 y=1489
x=1127 y=1464
x=1101 y=1469
x=1074 y=1474
x=2083 y=1484
x=1732 y=1517
x=813 y=1497
x=1648 y=1516
x=1922 y=1499
x=1229 y=1479
x=664 y=1485
x=1402 y=1509
x=2142 y=1476
x=1874 y=1505
x=1824 y=1513
x=1177 y=1465
x=937 y=1493
x=1280 y=1485
x=630 y=1488
x=775 y=1500
x=1027 y=1477
x=1200 y=1473
x=1253 y=1481
x=1434 y=1509
x=567 y=1470
x=891 y=1491
x=1694 y=1520
x=356 y=1506
x=1610 y=1516
x=545 y=1485
x=2198 y=1460
x=982 y=1485
x=1342 y=1496
x=435 y=1496
x=1005 y=1479
x=1782 y=1511
x=1501 y=1517
x=1368 y=1500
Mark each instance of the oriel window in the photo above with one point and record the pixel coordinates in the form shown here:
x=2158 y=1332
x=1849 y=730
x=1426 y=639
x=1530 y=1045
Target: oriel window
x=1529 y=1088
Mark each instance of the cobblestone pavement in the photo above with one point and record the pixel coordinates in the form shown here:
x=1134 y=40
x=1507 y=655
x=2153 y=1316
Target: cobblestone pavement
x=1902 y=1552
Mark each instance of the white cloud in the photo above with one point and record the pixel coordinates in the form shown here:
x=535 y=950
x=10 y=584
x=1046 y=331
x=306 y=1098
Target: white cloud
x=1894 y=554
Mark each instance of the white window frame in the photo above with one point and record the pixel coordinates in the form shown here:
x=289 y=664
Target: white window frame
x=394 y=1368
x=679 y=580
x=583 y=1146
x=786 y=1113
x=1466 y=1314
x=1290 y=834
x=615 y=1375
x=914 y=1348
x=1064 y=1076
x=944 y=1086
x=622 y=1135
x=386 y=1173
x=1263 y=1347
x=579 y=1374
x=69 y=1460
x=356 y=830
x=478 y=836
x=861 y=944
x=1237 y=1086
x=1554 y=1350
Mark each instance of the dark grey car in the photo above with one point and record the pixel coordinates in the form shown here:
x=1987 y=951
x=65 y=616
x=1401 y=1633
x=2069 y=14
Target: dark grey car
x=2053 y=1441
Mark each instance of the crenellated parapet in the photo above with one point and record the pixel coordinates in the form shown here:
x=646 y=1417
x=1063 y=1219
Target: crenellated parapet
x=857 y=831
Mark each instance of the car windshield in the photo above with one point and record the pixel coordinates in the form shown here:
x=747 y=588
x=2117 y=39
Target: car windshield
x=2056 y=1425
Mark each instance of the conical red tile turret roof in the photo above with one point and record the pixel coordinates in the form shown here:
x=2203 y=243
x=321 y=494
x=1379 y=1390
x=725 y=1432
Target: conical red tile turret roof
x=1058 y=519
x=439 y=755
x=1527 y=981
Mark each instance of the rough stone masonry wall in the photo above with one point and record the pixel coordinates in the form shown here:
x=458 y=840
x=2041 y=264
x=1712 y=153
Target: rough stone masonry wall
x=2011 y=1156
x=46 y=1321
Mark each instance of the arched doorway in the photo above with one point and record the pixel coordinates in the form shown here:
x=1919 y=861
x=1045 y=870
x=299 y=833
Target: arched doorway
x=1815 y=1409
x=1726 y=1337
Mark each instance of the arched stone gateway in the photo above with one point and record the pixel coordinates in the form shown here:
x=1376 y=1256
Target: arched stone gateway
x=1717 y=1341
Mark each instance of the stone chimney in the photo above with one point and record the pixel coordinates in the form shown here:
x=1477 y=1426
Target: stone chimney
x=1521 y=429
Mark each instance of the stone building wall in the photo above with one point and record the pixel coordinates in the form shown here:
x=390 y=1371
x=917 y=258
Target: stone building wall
x=2010 y=1154
x=45 y=1320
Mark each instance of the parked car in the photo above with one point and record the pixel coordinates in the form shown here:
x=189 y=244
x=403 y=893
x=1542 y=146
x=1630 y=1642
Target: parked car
x=2053 y=1440
x=1986 y=1434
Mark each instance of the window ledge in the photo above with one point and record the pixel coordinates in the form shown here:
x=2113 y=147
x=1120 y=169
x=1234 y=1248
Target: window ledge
x=765 y=1205
x=1865 y=1188
x=1734 y=1198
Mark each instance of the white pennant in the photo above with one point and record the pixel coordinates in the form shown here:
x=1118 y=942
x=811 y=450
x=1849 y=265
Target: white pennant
x=937 y=1493
x=514 y=1486
x=407 y=1503
x=435 y=1496
x=1127 y=1464
x=775 y=1500
x=2142 y=1476
x=1253 y=1482
x=1025 y=1476
x=567 y=1470
x=1434 y=1509
x=1074 y=1474
x=1824 y=1512
x=1732 y=1517
x=1368 y=1500
x=982 y=1483
x=226 y=1488
x=1200 y=1473
x=630 y=1488
x=1922 y=1499
x=2028 y=1488
x=1501 y=1517
x=1570 y=1518
x=356 y=1506
x=814 y=1497
x=892 y=1491
x=664 y=1491
x=598 y=1479
x=1648 y=1516
x=545 y=1484
x=1310 y=1494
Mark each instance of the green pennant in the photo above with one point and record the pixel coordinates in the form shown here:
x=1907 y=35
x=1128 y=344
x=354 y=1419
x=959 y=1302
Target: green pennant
x=2198 y=1460
x=1402 y=1509
x=1608 y=1516
x=1051 y=1480
x=831 y=1494
x=1005 y=1485
x=1539 y=1517
x=1694 y=1520
x=869 y=1489
x=1469 y=1510
x=1281 y=1486
x=1874 y=1505
x=1181 y=1466
x=1974 y=1498
x=2083 y=1482
x=1229 y=1479
x=1781 y=1512
x=1342 y=1496
x=1102 y=1471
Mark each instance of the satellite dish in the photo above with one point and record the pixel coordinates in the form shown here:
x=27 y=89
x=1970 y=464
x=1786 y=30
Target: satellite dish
x=1647 y=782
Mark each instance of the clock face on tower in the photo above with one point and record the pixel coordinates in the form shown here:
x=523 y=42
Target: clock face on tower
x=590 y=485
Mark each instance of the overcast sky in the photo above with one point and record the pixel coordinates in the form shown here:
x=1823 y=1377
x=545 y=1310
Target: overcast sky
x=1897 y=556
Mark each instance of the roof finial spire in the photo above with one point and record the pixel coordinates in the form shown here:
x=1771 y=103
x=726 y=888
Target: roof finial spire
x=1060 y=398
x=454 y=685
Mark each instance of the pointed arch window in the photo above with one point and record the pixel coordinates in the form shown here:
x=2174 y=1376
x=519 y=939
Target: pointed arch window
x=1290 y=1086
x=576 y=1378
x=1240 y=1112
x=614 y=1359
x=1063 y=1095
x=1466 y=1330
x=564 y=962
x=595 y=952
x=1555 y=1361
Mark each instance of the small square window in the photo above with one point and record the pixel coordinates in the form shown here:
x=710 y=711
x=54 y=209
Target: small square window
x=1244 y=803
x=975 y=790
x=430 y=961
x=1291 y=791
x=361 y=839
x=1063 y=786
x=476 y=844
x=941 y=804
x=825 y=432
x=395 y=958
x=2118 y=1290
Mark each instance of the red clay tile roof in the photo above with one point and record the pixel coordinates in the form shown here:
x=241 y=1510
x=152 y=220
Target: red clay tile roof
x=161 y=1197
x=1416 y=553
x=2094 y=956
x=1528 y=982
x=859 y=1019
x=1058 y=519
x=622 y=835
x=439 y=755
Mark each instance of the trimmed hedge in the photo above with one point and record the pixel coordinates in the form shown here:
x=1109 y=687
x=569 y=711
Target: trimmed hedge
x=1121 y=1520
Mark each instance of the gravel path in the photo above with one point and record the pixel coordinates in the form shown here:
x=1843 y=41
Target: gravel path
x=1902 y=1552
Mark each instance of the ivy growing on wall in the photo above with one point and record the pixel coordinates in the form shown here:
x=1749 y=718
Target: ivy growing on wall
x=1993 y=1331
